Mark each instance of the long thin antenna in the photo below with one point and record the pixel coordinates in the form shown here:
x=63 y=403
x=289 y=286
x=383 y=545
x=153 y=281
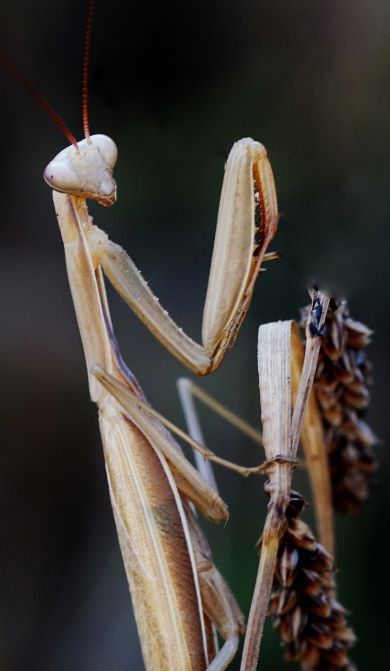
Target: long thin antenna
x=85 y=70
x=41 y=100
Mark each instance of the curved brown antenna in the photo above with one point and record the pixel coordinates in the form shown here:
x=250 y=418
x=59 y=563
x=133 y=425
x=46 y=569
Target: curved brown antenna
x=41 y=100
x=85 y=70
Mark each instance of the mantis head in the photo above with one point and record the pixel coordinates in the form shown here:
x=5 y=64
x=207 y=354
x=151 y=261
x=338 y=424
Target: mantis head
x=85 y=170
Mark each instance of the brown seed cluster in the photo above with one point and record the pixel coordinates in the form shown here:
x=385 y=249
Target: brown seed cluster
x=310 y=621
x=342 y=378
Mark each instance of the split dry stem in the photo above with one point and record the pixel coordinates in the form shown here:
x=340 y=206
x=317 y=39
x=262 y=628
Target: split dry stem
x=281 y=433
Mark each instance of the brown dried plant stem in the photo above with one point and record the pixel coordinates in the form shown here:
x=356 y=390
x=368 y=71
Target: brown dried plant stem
x=280 y=437
x=315 y=449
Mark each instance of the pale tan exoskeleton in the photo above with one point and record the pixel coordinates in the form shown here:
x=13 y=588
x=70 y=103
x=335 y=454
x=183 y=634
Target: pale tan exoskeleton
x=178 y=594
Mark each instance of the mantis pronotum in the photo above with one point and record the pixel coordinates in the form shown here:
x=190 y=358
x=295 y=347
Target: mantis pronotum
x=176 y=602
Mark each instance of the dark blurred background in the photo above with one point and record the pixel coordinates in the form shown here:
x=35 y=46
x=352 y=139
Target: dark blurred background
x=175 y=84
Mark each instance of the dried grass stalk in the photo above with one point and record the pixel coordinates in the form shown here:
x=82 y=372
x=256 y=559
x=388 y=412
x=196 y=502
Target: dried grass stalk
x=280 y=438
x=341 y=386
x=314 y=445
x=274 y=372
x=310 y=620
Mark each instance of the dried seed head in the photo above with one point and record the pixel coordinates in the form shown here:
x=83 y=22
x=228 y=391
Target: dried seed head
x=310 y=621
x=341 y=386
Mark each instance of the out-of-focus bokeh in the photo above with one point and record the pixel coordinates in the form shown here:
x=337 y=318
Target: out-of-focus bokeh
x=175 y=84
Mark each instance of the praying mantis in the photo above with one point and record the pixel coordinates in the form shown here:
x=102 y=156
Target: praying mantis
x=153 y=522
x=176 y=600
x=178 y=594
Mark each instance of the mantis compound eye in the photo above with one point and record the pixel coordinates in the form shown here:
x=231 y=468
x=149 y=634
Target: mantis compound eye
x=107 y=148
x=60 y=176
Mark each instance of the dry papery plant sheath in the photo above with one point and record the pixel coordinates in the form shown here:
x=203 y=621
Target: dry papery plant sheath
x=341 y=388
